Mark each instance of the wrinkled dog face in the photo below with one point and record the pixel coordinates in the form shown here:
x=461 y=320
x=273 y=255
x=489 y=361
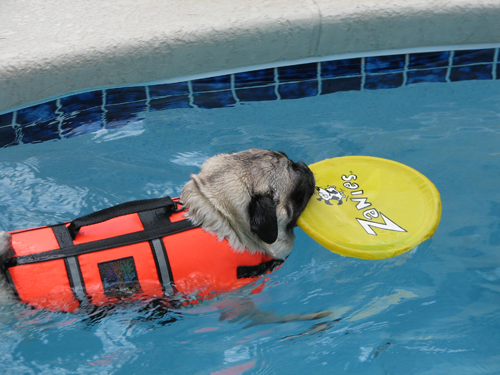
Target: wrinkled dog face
x=252 y=198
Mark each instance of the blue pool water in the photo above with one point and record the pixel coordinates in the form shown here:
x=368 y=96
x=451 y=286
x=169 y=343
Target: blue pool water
x=434 y=310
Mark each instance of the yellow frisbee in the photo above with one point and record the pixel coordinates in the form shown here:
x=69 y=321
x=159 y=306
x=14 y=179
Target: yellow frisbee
x=370 y=208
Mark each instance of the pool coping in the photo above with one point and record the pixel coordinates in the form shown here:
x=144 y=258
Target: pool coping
x=54 y=48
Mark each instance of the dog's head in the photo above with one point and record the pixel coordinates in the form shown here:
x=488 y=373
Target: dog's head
x=252 y=198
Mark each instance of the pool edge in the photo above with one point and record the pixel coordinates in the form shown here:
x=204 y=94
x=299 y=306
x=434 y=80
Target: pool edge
x=156 y=41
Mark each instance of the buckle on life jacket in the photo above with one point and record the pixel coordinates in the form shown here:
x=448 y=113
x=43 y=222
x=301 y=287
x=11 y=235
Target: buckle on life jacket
x=258 y=270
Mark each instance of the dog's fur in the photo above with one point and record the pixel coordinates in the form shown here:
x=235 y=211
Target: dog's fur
x=253 y=199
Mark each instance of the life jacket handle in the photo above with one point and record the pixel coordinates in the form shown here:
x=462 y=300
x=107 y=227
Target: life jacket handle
x=120 y=210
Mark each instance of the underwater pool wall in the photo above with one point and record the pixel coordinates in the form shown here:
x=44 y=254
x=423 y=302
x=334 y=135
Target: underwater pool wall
x=51 y=48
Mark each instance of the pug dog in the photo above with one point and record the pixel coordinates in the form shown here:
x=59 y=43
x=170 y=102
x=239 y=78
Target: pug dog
x=252 y=199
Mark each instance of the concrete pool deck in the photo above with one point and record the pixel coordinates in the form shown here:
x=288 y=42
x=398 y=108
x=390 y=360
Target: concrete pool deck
x=50 y=48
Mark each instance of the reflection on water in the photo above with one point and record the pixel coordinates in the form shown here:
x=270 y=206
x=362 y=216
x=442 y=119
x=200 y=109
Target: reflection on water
x=24 y=191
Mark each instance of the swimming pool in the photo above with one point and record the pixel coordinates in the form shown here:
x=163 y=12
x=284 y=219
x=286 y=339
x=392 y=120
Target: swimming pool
x=431 y=311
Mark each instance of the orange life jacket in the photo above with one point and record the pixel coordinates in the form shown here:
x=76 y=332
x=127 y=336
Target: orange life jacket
x=141 y=249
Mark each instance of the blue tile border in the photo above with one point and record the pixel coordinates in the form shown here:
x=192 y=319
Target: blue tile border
x=257 y=94
x=254 y=78
x=112 y=108
x=80 y=102
x=6 y=119
x=341 y=68
x=385 y=64
x=474 y=56
x=8 y=136
x=384 y=81
x=294 y=73
x=429 y=60
x=169 y=89
x=211 y=84
x=169 y=102
x=37 y=113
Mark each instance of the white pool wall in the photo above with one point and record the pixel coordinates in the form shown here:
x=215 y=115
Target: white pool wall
x=51 y=47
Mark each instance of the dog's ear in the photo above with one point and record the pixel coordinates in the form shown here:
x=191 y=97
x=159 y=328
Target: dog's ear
x=263 y=220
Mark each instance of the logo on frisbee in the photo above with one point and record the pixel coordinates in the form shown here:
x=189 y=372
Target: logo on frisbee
x=362 y=204
x=330 y=193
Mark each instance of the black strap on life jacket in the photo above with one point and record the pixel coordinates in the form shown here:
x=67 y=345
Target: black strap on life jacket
x=107 y=243
x=157 y=224
x=122 y=210
x=258 y=270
